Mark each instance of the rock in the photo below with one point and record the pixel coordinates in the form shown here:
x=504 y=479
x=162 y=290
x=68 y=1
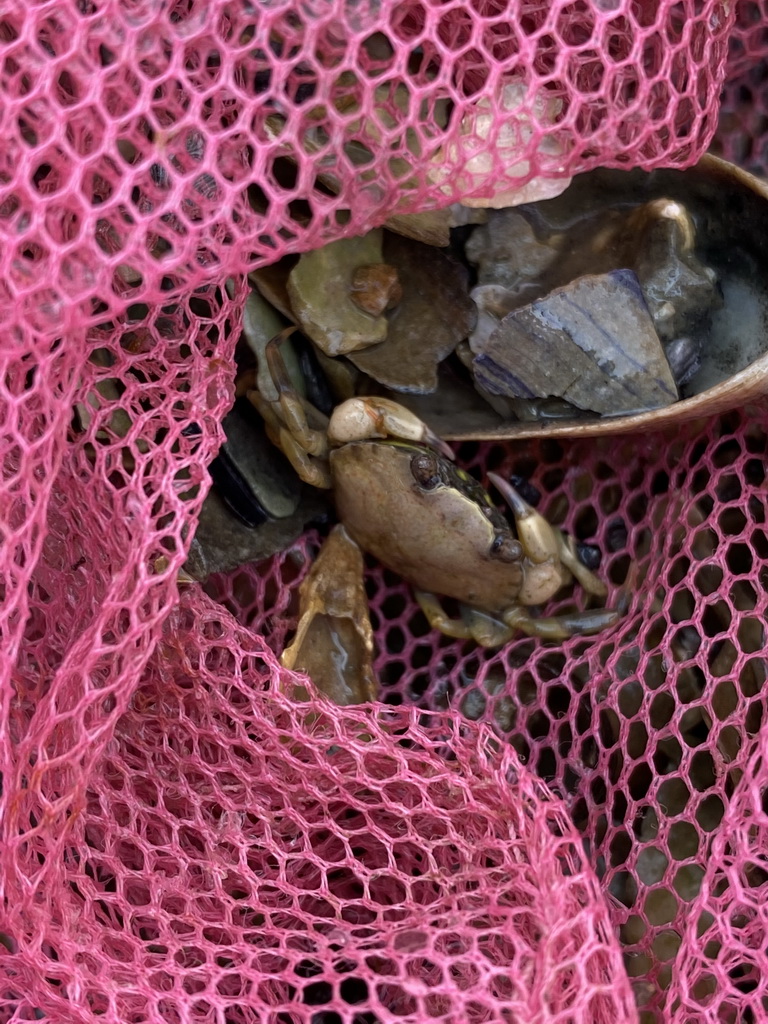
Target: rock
x=253 y=477
x=222 y=542
x=257 y=507
x=376 y=289
x=319 y=288
x=433 y=316
x=592 y=343
x=508 y=252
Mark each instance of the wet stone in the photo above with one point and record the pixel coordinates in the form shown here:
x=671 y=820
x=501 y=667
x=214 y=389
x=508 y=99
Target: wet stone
x=260 y=324
x=508 y=252
x=320 y=291
x=222 y=542
x=592 y=343
x=272 y=283
x=680 y=290
x=434 y=314
x=257 y=506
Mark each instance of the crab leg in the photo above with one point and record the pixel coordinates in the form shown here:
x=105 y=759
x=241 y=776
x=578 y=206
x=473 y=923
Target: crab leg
x=488 y=631
x=311 y=472
x=438 y=619
x=537 y=536
x=314 y=442
x=591 y=583
x=473 y=625
x=560 y=627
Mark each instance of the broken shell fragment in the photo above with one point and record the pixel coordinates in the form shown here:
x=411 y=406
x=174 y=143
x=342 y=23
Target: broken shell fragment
x=434 y=314
x=591 y=343
x=334 y=638
x=253 y=478
x=496 y=143
x=319 y=288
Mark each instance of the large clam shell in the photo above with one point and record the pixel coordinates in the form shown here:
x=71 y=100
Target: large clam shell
x=730 y=208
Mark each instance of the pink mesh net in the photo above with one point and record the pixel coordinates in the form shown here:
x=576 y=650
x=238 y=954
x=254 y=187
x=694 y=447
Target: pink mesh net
x=543 y=833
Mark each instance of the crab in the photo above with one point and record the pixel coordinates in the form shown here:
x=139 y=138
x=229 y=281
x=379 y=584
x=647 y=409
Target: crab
x=401 y=498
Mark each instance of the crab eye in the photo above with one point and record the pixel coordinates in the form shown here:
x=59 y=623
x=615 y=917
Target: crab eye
x=425 y=469
x=506 y=548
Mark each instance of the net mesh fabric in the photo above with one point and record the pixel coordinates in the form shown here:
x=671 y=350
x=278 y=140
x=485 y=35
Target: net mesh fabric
x=542 y=833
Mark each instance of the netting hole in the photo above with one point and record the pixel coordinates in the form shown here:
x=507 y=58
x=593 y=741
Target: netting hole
x=708 y=579
x=618 y=570
x=630 y=699
x=678 y=571
x=455 y=29
x=637 y=741
x=651 y=865
x=673 y=796
x=407 y=21
x=703 y=774
x=668 y=755
x=617 y=535
x=639 y=782
x=546 y=764
x=755 y=714
x=586 y=524
x=682 y=608
x=620 y=848
x=716 y=619
x=521 y=747
x=661 y=907
x=732 y=521
x=552 y=479
x=623 y=887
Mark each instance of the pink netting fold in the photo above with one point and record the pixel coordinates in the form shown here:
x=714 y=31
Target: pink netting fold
x=180 y=842
x=151 y=147
x=238 y=856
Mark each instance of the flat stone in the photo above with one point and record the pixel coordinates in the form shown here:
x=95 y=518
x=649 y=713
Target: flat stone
x=222 y=542
x=319 y=288
x=434 y=314
x=592 y=343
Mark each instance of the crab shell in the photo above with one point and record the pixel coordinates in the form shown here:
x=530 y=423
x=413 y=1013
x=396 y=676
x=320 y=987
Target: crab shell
x=434 y=525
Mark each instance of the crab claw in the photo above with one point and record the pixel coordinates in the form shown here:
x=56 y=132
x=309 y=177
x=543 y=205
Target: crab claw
x=537 y=536
x=360 y=419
